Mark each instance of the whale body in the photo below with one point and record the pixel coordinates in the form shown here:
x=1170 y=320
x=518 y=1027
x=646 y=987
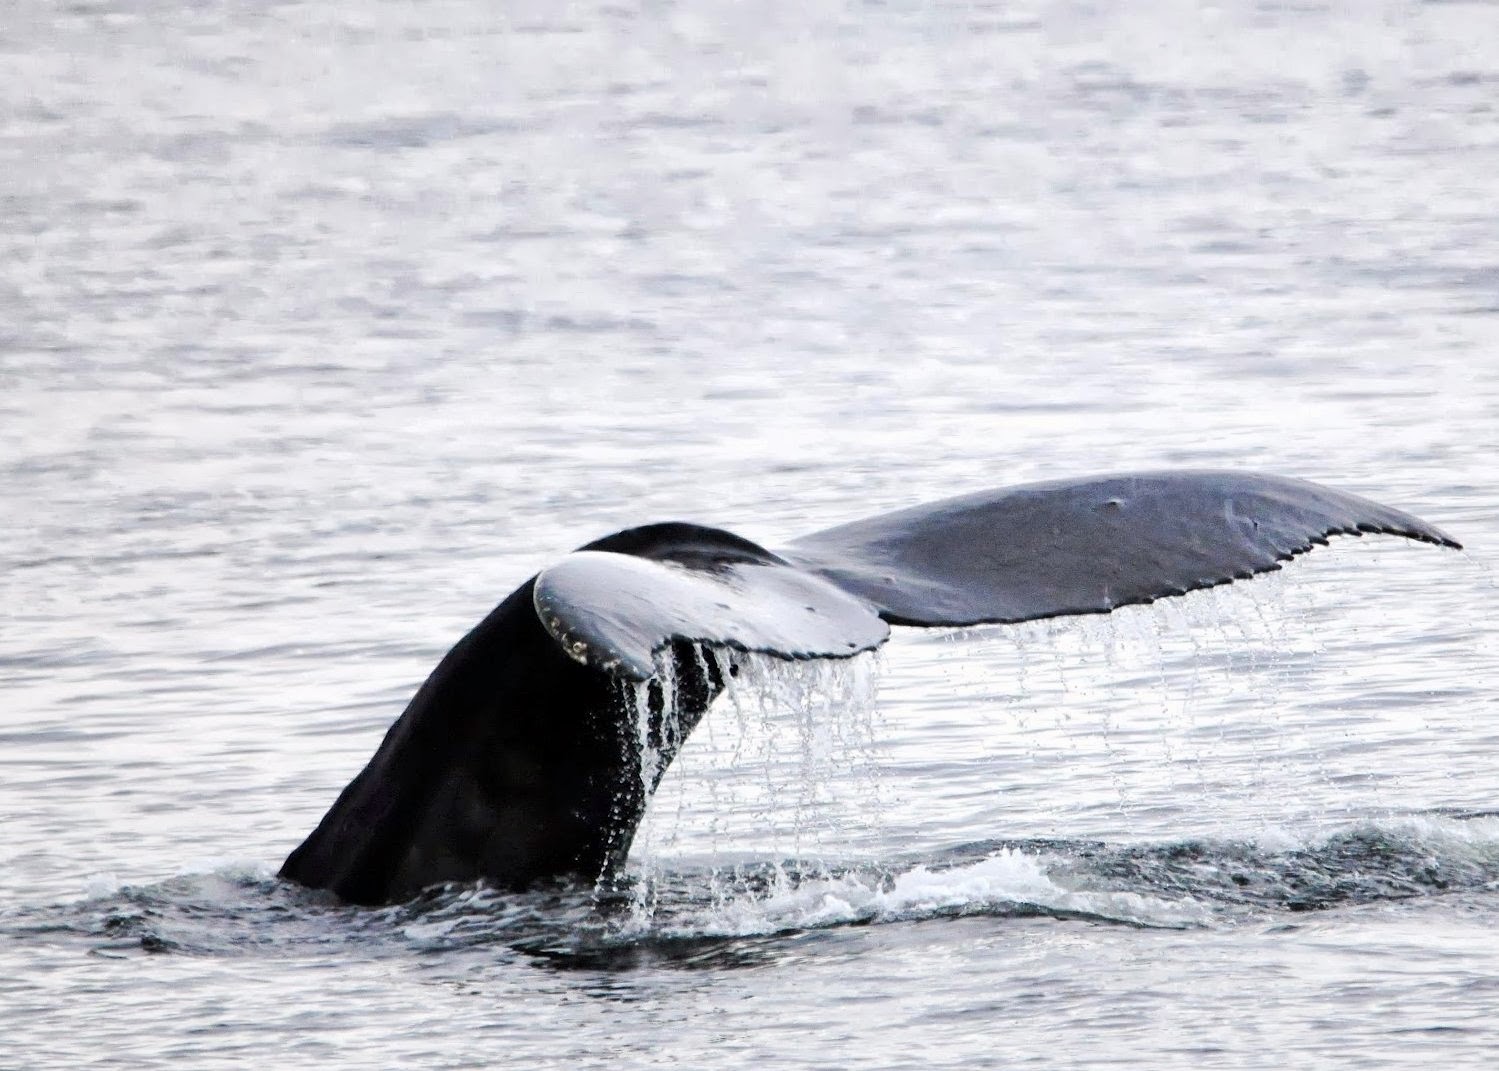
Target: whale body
x=520 y=759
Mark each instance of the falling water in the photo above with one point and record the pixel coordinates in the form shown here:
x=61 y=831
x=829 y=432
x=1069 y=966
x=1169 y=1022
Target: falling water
x=788 y=758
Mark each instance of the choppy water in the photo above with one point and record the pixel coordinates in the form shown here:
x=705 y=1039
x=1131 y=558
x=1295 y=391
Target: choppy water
x=324 y=325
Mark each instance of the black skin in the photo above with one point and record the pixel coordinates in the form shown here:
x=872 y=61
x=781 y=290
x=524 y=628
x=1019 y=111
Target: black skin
x=512 y=763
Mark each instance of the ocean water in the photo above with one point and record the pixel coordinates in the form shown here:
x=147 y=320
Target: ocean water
x=323 y=326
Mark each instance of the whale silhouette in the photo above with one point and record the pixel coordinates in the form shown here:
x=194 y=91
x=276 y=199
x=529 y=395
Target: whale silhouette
x=520 y=758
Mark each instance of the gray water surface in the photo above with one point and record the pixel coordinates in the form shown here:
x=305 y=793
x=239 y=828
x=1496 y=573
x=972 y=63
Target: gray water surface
x=323 y=326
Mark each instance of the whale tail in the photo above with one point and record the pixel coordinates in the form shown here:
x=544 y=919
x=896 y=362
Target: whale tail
x=520 y=758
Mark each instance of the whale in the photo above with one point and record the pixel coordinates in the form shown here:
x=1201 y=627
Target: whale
x=531 y=751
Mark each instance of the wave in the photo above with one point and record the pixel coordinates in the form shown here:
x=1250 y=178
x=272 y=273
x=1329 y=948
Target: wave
x=737 y=912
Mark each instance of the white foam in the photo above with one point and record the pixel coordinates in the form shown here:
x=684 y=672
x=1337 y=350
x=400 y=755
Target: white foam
x=100 y=886
x=1008 y=880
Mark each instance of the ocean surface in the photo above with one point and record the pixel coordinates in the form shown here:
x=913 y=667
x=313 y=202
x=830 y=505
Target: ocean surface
x=323 y=326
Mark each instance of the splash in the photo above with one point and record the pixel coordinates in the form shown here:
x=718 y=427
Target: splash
x=1011 y=882
x=1169 y=884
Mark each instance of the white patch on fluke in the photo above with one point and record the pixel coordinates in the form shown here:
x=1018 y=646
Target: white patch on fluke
x=616 y=611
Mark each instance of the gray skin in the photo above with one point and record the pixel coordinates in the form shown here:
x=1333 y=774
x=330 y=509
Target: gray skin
x=518 y=760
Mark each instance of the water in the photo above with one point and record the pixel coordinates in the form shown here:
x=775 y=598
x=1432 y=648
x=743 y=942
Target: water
x=325 y=325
